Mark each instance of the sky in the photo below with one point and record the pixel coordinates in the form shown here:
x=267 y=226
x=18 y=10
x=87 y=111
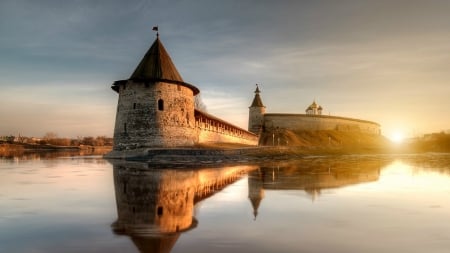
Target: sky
x=386 y=61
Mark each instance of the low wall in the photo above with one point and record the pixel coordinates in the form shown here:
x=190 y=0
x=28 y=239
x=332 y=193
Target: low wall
x=214 y=130
x=207 y=136
x=307 y=122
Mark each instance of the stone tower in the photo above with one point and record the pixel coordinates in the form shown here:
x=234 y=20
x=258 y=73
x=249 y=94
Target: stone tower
x=256 y=113
x=155 y=107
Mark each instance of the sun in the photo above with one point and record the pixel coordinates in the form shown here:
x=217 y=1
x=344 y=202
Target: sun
x=397 y=137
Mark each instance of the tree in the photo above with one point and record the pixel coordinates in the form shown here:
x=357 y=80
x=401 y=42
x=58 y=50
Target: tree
x=10 y=139
x=198 y=103
x=89 y=140
x=99 y=141
x=50 y=136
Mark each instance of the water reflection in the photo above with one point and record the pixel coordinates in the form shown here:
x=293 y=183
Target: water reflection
x=314 y=175
x=154 y=206
x=67 y=205
x=48 y=154
x=435 y=162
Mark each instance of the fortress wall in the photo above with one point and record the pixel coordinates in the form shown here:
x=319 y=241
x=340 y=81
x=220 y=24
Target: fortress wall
x=206 y=136
x=318 y=122
x=214 y=130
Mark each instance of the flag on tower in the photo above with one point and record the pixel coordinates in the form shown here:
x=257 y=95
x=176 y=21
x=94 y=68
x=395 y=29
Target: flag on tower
x=155 y=28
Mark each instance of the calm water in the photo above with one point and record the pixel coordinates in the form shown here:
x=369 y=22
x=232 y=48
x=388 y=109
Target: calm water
x=317 y=204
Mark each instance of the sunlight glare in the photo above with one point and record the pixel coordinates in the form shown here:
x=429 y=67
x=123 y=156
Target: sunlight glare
x=397 y=137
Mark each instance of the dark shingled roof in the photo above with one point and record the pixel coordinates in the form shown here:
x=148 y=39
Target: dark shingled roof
x=257 y=102
x=156 y=65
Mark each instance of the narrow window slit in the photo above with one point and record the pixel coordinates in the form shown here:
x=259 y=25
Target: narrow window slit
x=161 y=105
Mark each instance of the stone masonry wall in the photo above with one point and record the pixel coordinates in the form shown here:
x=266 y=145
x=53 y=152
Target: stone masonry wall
x=318 y=122
x=206 y=136
x=213 y=130
x=154 y=115
x=255 y=119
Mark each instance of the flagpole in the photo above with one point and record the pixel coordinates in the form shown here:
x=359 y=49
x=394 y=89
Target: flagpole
x=155 y=28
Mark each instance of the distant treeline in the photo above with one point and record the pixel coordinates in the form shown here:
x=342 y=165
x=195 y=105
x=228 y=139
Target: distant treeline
x=53 y=139
x=435 y=142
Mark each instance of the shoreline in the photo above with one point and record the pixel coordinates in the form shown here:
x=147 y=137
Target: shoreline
x=195 y=156
x=27 y=147
x=216 y=155
x=18 y=149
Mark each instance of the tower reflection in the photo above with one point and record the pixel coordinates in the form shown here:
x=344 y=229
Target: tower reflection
x=154 y=206
x=311 y=176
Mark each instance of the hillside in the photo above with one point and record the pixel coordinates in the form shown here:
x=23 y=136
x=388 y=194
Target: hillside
x=327 y=140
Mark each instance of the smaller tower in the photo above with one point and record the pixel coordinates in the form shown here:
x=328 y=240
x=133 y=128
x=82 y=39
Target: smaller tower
x=256 y=113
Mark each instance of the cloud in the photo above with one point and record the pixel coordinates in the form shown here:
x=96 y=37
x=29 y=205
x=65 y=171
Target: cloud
x=370 y=59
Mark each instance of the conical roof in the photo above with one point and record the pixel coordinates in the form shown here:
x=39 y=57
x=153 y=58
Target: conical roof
x=257 y=102
x=157 y=66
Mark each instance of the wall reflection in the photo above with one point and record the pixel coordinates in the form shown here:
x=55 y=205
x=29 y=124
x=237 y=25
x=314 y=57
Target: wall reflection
x=312 y=176
x=154 y=206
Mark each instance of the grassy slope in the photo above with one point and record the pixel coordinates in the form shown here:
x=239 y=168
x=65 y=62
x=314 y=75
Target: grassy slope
x=330 y=141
